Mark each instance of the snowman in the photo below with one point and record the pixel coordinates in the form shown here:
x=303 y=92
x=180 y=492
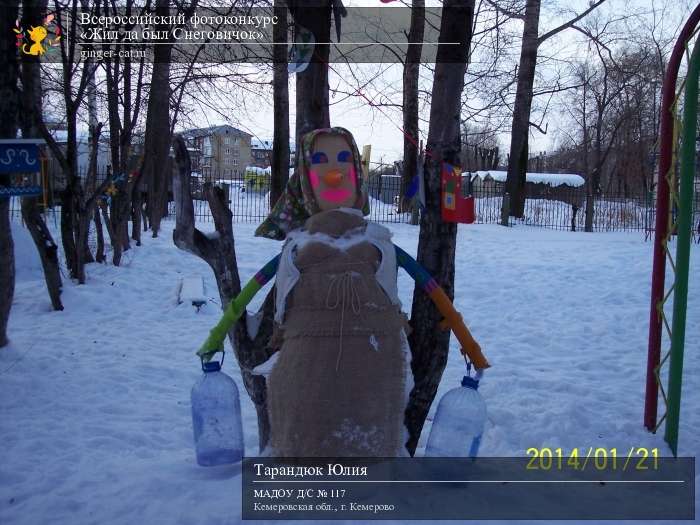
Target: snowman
x=339 y=384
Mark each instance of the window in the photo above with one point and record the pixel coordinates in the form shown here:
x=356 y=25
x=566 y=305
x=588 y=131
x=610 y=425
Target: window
x=235 y=162
x=235 y=140
x=228 y=151
x=227 y=140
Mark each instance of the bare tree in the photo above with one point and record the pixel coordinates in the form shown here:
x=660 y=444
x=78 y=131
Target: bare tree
x=411 y=71
x=33 y=13
x=124 y=87
x=437 y=239
x=312 y=84
x=220 y=253
x=9 y=107
x=531 y=41
x=157 y=141
x=280 y=93
x=77 y=205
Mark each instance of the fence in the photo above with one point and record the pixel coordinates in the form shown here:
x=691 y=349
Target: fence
x=559 y=208
x=564 y=208
x=249 y=198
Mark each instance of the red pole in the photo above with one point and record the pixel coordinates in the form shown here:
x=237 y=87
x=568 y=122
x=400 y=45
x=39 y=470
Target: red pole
x=662 y=209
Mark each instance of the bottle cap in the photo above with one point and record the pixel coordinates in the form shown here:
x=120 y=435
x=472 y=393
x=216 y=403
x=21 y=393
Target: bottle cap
x=470 y=382
x=211 y=366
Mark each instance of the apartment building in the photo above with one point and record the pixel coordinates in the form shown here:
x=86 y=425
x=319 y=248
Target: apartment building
x=219 y=150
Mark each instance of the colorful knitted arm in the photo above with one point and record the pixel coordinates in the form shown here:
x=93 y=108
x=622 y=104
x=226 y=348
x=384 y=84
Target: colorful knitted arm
x=236 y=308
x=453 y=318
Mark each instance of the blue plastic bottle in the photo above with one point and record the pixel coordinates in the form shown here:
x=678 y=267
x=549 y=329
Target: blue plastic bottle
x=216 y=418
x=459 y=422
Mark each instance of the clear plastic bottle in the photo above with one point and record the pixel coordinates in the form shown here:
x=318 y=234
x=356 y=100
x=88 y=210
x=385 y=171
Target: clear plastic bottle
x=216 y=418
x=459 y=422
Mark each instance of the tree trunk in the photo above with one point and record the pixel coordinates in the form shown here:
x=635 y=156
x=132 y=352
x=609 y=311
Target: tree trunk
x=100 y=251
x=120 y=211
x=48 y=250
x=67 y=239
x=312 y=83
x=280 y=93
x=220 y=253
x=9 y=106
x=136 y=206
x=437 y=239
x=520 y=131
x=411 y=69
x=157 y=140
x=32 y=16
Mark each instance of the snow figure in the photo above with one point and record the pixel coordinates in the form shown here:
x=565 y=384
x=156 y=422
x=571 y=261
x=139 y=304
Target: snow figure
x=339 y=384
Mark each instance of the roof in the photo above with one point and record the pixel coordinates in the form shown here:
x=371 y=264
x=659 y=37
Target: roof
x=266 y=144
x=552 y=179
x=82 y=137
x=258 y=171
x=261 y=144
x=212 y=130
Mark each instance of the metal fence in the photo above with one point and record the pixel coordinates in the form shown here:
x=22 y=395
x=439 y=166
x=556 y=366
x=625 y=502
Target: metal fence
x=564 y=208
x=558 y=208
x=249 y=198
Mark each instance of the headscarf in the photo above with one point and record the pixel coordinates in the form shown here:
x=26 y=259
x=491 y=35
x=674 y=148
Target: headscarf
x=298 y=202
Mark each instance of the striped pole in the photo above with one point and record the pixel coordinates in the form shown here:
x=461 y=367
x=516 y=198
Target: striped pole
x=685 y=219
x=662 y=211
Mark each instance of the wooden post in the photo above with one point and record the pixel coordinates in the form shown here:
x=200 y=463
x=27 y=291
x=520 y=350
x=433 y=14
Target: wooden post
x=505 y=209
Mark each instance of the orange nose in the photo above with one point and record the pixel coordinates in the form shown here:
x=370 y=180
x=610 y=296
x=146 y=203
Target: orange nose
x=333 y=178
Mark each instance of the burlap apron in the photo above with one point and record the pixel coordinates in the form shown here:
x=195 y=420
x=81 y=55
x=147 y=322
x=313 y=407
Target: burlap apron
x=337 y=388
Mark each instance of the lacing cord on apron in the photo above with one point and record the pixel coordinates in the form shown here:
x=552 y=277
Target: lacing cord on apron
x=343 y=286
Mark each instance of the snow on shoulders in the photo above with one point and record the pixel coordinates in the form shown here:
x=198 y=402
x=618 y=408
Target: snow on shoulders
x=378 y=231
x=552 y=179
x=373 y=231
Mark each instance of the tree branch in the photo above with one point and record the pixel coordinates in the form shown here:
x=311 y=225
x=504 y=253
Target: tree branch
x=568 y=24
x=504 y=11
x=539 y=128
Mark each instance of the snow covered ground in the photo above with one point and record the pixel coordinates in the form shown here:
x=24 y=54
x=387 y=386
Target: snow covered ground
x=94 y=401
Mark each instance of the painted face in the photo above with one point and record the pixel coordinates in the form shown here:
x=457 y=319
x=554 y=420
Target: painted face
x=332 y=173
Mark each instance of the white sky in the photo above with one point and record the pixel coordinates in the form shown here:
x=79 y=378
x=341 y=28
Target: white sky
x=382 y=130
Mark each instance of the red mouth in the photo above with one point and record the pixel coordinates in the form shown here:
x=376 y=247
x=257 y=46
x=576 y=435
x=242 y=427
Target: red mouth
x=336 y=195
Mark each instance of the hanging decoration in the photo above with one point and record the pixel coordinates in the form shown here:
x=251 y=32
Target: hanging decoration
x=113 y=188
x=302 y=50
x=19 y=160
x=455 y=207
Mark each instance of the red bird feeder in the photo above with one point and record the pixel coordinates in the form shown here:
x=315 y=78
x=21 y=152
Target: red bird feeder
x=455 y=207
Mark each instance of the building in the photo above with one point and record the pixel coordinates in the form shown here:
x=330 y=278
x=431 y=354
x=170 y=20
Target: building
x=566 y=187
x=261 y=151
x=53 y=169
x=219 y=150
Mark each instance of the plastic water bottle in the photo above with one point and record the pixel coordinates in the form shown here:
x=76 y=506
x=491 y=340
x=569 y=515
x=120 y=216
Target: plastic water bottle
x=459 y=422
x=216 y=418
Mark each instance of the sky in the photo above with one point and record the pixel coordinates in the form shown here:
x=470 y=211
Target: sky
x=382 y=127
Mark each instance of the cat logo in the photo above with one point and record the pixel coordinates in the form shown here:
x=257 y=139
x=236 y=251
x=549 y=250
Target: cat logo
x=39 y=39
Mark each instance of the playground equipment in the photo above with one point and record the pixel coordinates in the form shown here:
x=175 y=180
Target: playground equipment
x=20 y=160
x=679 y=192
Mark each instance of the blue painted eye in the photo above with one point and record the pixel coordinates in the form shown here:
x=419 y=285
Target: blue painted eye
x=319 y=158
x=344 y=156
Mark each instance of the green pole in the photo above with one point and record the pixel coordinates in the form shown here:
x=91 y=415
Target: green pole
x=685 y=214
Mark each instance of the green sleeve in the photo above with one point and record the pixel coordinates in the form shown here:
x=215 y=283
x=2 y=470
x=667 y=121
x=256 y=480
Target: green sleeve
x=236 y=309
